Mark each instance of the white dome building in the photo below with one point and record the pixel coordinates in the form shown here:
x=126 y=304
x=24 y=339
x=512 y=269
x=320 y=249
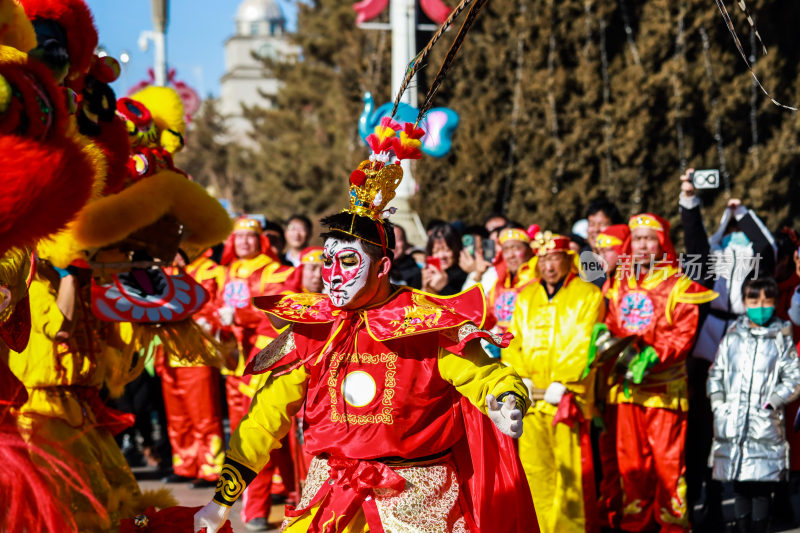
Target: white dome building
x=260 y=29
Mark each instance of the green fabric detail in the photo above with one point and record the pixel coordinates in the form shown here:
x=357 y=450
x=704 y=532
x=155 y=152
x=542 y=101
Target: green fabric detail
x=596 y=331
x=646 y=359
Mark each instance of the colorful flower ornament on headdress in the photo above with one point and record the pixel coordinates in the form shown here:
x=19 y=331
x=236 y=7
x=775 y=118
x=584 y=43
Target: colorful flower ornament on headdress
x=374 y=182
x=549 y=243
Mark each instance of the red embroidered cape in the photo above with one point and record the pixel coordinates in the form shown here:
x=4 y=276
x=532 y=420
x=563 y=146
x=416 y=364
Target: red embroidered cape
x=495 y=494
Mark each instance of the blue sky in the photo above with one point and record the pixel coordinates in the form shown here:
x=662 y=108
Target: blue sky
x=195 y=38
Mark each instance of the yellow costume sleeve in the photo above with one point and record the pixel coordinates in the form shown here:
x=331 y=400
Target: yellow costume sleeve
x=574 y=346
x=269 y=419
x=44 y=308
x=475 y=375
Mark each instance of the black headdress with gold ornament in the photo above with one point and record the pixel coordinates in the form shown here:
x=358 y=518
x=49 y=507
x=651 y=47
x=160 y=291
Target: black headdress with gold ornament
x=374 y=182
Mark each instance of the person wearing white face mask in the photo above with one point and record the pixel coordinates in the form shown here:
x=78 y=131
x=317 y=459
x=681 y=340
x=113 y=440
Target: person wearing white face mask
x=398 y=398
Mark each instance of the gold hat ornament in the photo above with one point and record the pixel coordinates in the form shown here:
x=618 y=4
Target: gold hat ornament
x=374 y=182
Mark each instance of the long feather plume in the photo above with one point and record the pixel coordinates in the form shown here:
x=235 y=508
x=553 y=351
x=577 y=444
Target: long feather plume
x=727 y=18
x=451 y=55
x=746 y=11
x=416 y=64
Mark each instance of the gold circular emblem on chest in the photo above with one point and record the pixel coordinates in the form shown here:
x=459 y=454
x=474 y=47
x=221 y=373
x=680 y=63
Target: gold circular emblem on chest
x=358 y=388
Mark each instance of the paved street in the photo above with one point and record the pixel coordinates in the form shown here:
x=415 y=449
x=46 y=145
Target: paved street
x=189 y=497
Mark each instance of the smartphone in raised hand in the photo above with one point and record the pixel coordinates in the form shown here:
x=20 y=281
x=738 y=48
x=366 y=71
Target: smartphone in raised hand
x=435 y=262
x=468 y=243
x=488 y=250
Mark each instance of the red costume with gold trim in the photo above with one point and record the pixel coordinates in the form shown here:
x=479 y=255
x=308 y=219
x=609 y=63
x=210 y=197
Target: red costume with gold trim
x=192 y=397
x=389 y=394
x=242 y=280
x=505 y=291
x=660 y=309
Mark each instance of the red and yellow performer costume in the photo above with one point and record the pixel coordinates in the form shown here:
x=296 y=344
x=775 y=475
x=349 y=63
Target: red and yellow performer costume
x=48 y=174
x=244 y=278
x=609 y=244
x=392 y=385
x=30 y=473
x=551 y=345
x=72 y=354
x=63 y=369
x=192 y=396
x=659 y=307
x=388 y=395
x=505 y=291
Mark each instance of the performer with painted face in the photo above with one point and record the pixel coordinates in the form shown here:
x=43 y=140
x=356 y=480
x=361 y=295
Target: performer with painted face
x=392 y=385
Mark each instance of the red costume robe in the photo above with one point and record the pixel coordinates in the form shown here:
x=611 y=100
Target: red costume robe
x=661 y=310
x=192 y=395
x=390 y=394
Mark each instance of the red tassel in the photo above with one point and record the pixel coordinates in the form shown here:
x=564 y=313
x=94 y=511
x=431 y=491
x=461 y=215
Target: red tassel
x=169 y=520
x=358 y=177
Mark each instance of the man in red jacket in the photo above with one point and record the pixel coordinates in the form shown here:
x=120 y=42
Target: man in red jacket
x=251 y=271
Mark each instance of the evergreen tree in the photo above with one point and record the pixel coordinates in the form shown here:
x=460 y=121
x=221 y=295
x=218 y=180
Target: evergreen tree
x=308 y=143
x=565 y=100
x=560 y=101
x=213 y=159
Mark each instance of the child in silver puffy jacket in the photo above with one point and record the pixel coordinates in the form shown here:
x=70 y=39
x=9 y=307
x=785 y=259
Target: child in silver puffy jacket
x=756 y=372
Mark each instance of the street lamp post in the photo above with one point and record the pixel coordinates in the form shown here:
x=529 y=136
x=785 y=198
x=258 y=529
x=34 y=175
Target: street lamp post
x=159 y=36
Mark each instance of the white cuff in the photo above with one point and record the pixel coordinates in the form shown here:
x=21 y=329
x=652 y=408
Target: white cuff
x=688 y=202
x=740 y=211
x=554 y=393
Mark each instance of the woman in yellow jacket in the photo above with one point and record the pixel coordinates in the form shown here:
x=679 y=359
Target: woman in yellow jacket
x=552 y=326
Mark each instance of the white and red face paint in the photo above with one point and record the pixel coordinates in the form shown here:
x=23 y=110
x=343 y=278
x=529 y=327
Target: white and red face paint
x=345 y=270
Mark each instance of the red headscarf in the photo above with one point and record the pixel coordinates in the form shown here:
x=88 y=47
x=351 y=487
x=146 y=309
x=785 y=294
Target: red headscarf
x=661 y=227
x=246 y=224
x=613 y=237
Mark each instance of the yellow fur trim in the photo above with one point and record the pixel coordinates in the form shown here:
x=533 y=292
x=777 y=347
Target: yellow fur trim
x=5 y=94
x=184 y=343
x=112 y=218
x=15 y=28
x=15 y=265
x=9 y=54
x=63 y=247
x=166 y=107
x=159 y=498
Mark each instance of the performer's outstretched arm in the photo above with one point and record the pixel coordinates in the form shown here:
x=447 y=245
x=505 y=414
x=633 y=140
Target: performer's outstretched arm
x=259 y=432
x=489 y=385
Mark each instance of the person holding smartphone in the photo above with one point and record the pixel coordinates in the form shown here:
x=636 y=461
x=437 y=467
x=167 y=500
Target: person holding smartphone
x=742 y=248
x=476 y=257
x=441 y=274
